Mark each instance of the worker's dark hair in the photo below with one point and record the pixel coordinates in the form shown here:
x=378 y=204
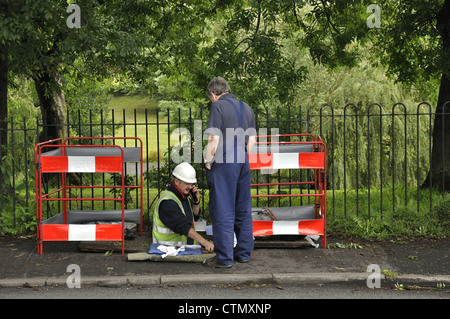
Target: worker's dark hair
x=218 y=85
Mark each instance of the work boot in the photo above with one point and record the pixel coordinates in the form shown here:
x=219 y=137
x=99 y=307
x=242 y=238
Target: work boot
x=242 y=261
x=212 y=262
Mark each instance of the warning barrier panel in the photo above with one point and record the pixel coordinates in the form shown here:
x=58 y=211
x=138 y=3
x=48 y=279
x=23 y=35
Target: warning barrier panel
x=287 y=161
x=75 y=232
x=285 y=227
x=81 y=164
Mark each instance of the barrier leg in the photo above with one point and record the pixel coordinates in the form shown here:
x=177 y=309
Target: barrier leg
x=324 y=241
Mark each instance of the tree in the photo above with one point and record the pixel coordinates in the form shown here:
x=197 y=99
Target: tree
x=25 y=35
x=145 y=39
x=249 y=50
x=43 y=42
x=242 y=41
x=440 y=172
x=185 y=43
x=412 y=40
x=13 y=27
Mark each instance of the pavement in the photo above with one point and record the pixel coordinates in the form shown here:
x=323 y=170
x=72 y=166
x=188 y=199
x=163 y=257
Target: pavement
x=413 y=263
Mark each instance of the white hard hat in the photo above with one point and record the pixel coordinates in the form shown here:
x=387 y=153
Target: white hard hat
x=185 y=172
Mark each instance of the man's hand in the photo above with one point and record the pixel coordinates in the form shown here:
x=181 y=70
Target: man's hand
x=211 y=147
x=195 y=192
x=209 y=246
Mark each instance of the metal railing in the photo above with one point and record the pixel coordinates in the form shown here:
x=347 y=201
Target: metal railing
x=374 y=154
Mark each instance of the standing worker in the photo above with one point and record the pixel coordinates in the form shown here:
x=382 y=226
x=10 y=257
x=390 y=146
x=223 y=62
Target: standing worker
x=232 y=131
x=178 y=206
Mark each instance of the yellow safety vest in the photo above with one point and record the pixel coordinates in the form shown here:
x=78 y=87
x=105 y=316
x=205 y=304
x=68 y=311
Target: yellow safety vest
x=161 y=233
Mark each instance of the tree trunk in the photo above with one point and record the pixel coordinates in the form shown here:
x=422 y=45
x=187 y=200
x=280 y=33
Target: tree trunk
x=3 y=99
x=439 y=174
x=4 y=189
x=53 y=105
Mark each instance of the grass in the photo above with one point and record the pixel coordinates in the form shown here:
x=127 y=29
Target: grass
x=392 y=218
x=131 y=110
x=381 y=219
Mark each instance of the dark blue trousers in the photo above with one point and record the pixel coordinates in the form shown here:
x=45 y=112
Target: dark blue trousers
x=230 y=211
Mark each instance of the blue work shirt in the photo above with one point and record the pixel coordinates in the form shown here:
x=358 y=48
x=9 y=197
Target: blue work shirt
x=224 y=122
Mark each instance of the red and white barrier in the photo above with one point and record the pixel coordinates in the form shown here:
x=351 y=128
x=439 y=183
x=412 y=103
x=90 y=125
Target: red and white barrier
x=81 y=164
x=288 y=227
x=286 y=160
x=74 y=232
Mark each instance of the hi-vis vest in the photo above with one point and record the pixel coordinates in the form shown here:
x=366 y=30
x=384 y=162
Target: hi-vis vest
x=161 y=233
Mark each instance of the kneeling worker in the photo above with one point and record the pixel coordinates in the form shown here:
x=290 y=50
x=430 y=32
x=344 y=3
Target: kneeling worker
x=178 y=206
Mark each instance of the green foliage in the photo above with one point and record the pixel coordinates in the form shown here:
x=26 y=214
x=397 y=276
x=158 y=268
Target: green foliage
x=330 y=30
x=408 y=41
x=376 y=144
x=442 y=213
x=412 y=41
x=387 y=222
x=18 y=209
x=88 y=103
x=116 y=179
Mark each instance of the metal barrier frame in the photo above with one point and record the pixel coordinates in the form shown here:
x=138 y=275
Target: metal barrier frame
x=68 y=232
x=319 y=165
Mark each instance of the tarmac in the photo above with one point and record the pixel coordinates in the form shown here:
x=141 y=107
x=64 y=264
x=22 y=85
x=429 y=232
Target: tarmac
x=413 y=263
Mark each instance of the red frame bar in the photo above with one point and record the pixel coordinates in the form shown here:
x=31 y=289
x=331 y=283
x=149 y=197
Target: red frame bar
x=287 y=183
x=38 y=181
x=289 y=195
